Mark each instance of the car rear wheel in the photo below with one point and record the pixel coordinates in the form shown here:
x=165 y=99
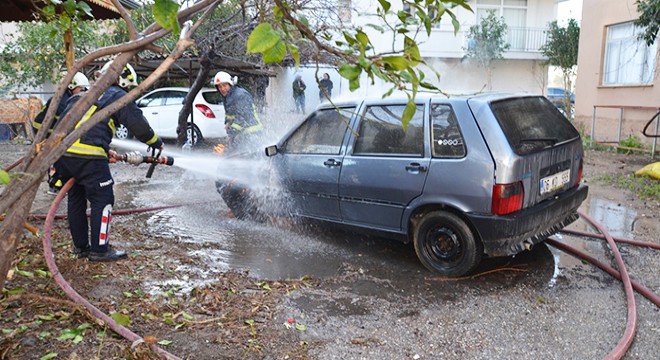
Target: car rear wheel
x=192 y=131
x=122 y=132
x=445 y=244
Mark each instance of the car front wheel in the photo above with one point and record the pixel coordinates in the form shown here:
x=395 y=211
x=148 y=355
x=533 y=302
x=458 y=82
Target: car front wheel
x=445 y=244
x=122 y=132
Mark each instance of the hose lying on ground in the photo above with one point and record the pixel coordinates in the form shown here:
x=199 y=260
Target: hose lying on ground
x=72 y=294
x=631 y=325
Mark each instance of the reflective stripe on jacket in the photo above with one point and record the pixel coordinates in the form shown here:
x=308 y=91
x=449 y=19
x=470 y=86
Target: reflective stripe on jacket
x=241 y=113
x=95 y=143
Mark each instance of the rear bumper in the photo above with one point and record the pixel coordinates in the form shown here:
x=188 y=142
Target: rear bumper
x=511 y=234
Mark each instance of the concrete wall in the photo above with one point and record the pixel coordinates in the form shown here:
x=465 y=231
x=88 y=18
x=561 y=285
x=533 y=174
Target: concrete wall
x=592 y=94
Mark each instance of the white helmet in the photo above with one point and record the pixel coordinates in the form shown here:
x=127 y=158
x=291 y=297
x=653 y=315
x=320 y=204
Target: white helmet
x=79 y=79
x=127 y=78
x=223 y=77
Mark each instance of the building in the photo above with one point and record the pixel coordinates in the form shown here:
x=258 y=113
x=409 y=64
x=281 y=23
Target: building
x=522 y=69
x=616 y=88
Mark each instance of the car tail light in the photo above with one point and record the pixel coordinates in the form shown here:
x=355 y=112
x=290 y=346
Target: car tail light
x=205 y=110
x=579 y=174
x=507 y=198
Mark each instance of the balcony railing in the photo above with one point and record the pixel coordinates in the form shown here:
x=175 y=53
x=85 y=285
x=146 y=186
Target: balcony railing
x=526 y=39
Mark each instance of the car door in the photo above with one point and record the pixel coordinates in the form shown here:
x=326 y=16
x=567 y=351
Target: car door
x=312 y=160
x=150 y=105
x=168 y=113
x=386 y=166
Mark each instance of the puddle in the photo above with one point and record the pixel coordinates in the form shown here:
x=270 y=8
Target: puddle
x=617 y=219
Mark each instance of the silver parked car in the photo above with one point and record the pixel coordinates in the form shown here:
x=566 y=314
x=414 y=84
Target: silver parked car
x=161 y=108
x=471 y=176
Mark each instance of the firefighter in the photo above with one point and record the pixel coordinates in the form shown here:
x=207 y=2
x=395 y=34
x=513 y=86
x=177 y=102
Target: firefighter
x=241 y=119
x=78 y=83
x=87 y=161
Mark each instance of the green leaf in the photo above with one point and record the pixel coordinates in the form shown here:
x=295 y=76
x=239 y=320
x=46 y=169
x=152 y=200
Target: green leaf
x=68 y=334
x=121 y=319
x=164 y=342
x=408 y=113
x=362 y=38
x=4 y=177
x=82 y=6
x=396 y=62
x=70 y=7
x=27 y=274
x=186 y=316
x=249 y=322
x=354 y=84
x=350 y=72
x=385 y=5
x=48 y=10
x=276 y=53
x=165 y=14
x=50 y=355
x=301 y=327
x=262 y=38
x=412 y=51
x=295 y=53
x=41 y=273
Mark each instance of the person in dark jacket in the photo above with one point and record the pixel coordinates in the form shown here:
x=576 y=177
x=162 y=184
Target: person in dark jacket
x=87 y=161
x=325 y=88
x=299 y=93
x=79 y=83
x=241 y=120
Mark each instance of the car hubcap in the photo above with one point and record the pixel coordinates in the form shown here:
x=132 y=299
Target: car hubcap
x=122 y=132
x=443 y=244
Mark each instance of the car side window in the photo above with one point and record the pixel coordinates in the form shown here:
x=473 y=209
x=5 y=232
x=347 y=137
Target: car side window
x=212 y=97
x=174 y=97
x=321 y=133
x=155 y=99
x=381 y=132
x=446 y=134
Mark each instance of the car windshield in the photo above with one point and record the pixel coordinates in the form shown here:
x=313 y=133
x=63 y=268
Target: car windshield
x=532 y=124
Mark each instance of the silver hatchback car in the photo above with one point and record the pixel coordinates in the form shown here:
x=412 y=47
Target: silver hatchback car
x=486 y=175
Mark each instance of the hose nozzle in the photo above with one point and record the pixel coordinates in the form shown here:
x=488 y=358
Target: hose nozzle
x=135 y=158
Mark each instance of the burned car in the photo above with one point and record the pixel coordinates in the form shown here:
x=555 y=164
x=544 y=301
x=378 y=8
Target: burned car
x=468 y=177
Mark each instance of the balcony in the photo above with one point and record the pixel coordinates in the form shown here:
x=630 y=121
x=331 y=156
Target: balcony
x=525 y=43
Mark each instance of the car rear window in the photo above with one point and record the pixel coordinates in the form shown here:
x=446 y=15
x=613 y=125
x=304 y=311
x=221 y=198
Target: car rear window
x=212 y=97
x=532 y=124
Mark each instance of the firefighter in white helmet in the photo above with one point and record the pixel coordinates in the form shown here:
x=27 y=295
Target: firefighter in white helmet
x=241 y=119
x=87 y=161
x=78 y=83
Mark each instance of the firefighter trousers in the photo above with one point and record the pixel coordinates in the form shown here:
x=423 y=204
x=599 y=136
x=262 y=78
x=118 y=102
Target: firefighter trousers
x=94 y=184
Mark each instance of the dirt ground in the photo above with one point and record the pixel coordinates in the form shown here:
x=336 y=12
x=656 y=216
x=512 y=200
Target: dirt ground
x=238 y=316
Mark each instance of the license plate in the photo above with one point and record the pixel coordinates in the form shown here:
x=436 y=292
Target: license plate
x=555 y=181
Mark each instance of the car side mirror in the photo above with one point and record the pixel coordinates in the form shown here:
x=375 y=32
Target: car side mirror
x=142 y=103
x=271 y=150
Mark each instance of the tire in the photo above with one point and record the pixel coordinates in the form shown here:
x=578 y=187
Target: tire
x=445 y=244
x=122 y=132
x=193 y=130
x=241 y=202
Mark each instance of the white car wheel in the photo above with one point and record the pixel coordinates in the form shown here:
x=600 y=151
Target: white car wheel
x=122 y=132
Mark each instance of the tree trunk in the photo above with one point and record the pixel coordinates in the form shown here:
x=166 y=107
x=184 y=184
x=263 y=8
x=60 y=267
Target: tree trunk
x=198 y=84
x=11 y=230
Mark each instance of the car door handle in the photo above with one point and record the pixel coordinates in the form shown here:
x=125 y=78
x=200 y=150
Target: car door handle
x=154 y=113
x=415 y=168
x=332 y=162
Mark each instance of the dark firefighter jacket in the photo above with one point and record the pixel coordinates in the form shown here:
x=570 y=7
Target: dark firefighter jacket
x=95 y=143
x=240 y=112
x=39 y=119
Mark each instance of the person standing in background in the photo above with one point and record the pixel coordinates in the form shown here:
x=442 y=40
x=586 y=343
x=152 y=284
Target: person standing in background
x=325 y=88
x=299 y=93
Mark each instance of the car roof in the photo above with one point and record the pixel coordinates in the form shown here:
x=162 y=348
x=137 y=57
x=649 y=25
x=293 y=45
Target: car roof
x=421 y=97
x=180 y=88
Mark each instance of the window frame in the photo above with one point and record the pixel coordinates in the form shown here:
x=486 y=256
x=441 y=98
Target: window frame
x=643 y=71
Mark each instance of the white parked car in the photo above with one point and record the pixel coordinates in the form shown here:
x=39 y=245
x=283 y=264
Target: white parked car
x=161 y=108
